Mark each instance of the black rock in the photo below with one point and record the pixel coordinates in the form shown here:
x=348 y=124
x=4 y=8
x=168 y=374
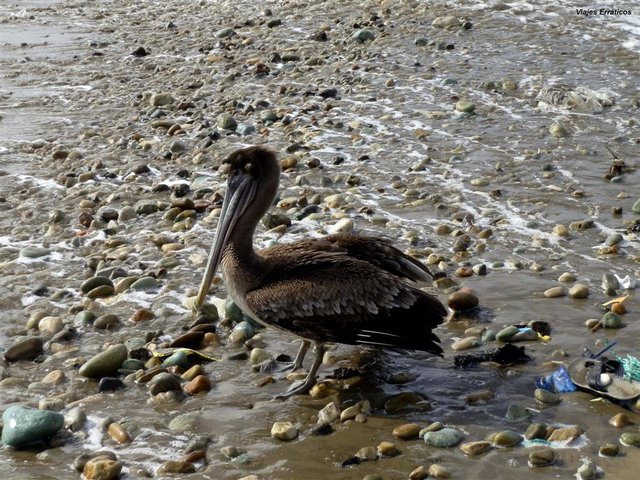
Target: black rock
x=42 y=291
x=64 y=335
x=140 y=168
x=508 y=354
x=351 y=461
x=322 y=429
x=181 y=189
x=319 y=36
x=329 y=93
x=160 y=187
x=109 y=384
x=140 y=52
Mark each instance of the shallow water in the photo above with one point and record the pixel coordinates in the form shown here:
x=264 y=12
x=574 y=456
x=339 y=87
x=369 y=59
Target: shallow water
x=83 y=79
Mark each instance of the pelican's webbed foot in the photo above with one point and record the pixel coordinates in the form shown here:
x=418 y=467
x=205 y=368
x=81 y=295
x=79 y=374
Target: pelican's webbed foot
x=310 y=379
x=299 y=388
x=297 y=362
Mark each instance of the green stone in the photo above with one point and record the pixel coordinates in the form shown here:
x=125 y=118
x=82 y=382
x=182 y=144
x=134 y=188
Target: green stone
x=507 y=438
x=420 y=41
x=405 y=400
x=546 y=397
x=506 y=333
x=613 y=239
x=132 y=364
x=209 y=311
x=432 y=427
x=101 y=292
x=167 y=262
x=488 y=336
x=245 y=129
x=146 y=208
x=245 y=330
x=630 y=438
x=34 y=252
x=636 y=207
x=465 y=106
x=225 y=32
x=587 y=471
x=134 y=342
x=611 y=320
x=363 y=35
x=95 y=282
x=25 y=425
x=186 y=422
x=268 y=116
x=172 y=214
x=179 y=358
x=104 y=363
x=517 y=413
x=227 y=122
x=535 y=430
x=84 y=318
x=145 y=283
x=232 y=311
x=558 y=130
x=444 y=438
x=163 y=382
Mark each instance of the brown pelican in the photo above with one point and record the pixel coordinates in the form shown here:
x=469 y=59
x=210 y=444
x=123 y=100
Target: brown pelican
x=339 y=288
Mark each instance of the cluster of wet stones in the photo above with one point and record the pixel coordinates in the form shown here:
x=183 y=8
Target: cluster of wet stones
x=172 y=370
x=543 y=440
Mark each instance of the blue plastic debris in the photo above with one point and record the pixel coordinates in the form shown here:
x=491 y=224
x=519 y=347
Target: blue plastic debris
x=558 y=382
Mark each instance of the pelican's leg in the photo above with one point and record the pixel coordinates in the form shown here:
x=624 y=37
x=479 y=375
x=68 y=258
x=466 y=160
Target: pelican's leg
x=297 y=362
x=310 y=379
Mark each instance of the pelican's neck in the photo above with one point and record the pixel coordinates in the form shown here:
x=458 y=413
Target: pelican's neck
x=241 y=265
x=241 y=240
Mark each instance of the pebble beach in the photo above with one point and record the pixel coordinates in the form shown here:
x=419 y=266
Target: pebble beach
x=497 y=142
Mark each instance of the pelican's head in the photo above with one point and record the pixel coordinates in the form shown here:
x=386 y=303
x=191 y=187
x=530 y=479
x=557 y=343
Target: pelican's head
x=254 y=175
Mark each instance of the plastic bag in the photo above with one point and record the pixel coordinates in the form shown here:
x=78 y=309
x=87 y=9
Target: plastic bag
x=558 y=382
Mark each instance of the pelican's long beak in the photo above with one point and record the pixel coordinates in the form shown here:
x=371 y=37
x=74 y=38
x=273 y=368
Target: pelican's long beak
x=241 y=190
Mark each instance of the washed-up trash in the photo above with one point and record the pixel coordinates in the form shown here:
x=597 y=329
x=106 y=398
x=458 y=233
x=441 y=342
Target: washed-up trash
x=558 y=382
x=631 y=367
x=627 y=282
x=621 y=299
x=605 y=378
x=506 y=355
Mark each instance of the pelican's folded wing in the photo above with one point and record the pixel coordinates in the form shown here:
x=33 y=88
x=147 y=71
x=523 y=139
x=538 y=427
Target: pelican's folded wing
x=331 y=297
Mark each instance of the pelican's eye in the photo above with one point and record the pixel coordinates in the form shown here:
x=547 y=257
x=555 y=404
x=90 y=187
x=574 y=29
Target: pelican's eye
x=251 y=169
